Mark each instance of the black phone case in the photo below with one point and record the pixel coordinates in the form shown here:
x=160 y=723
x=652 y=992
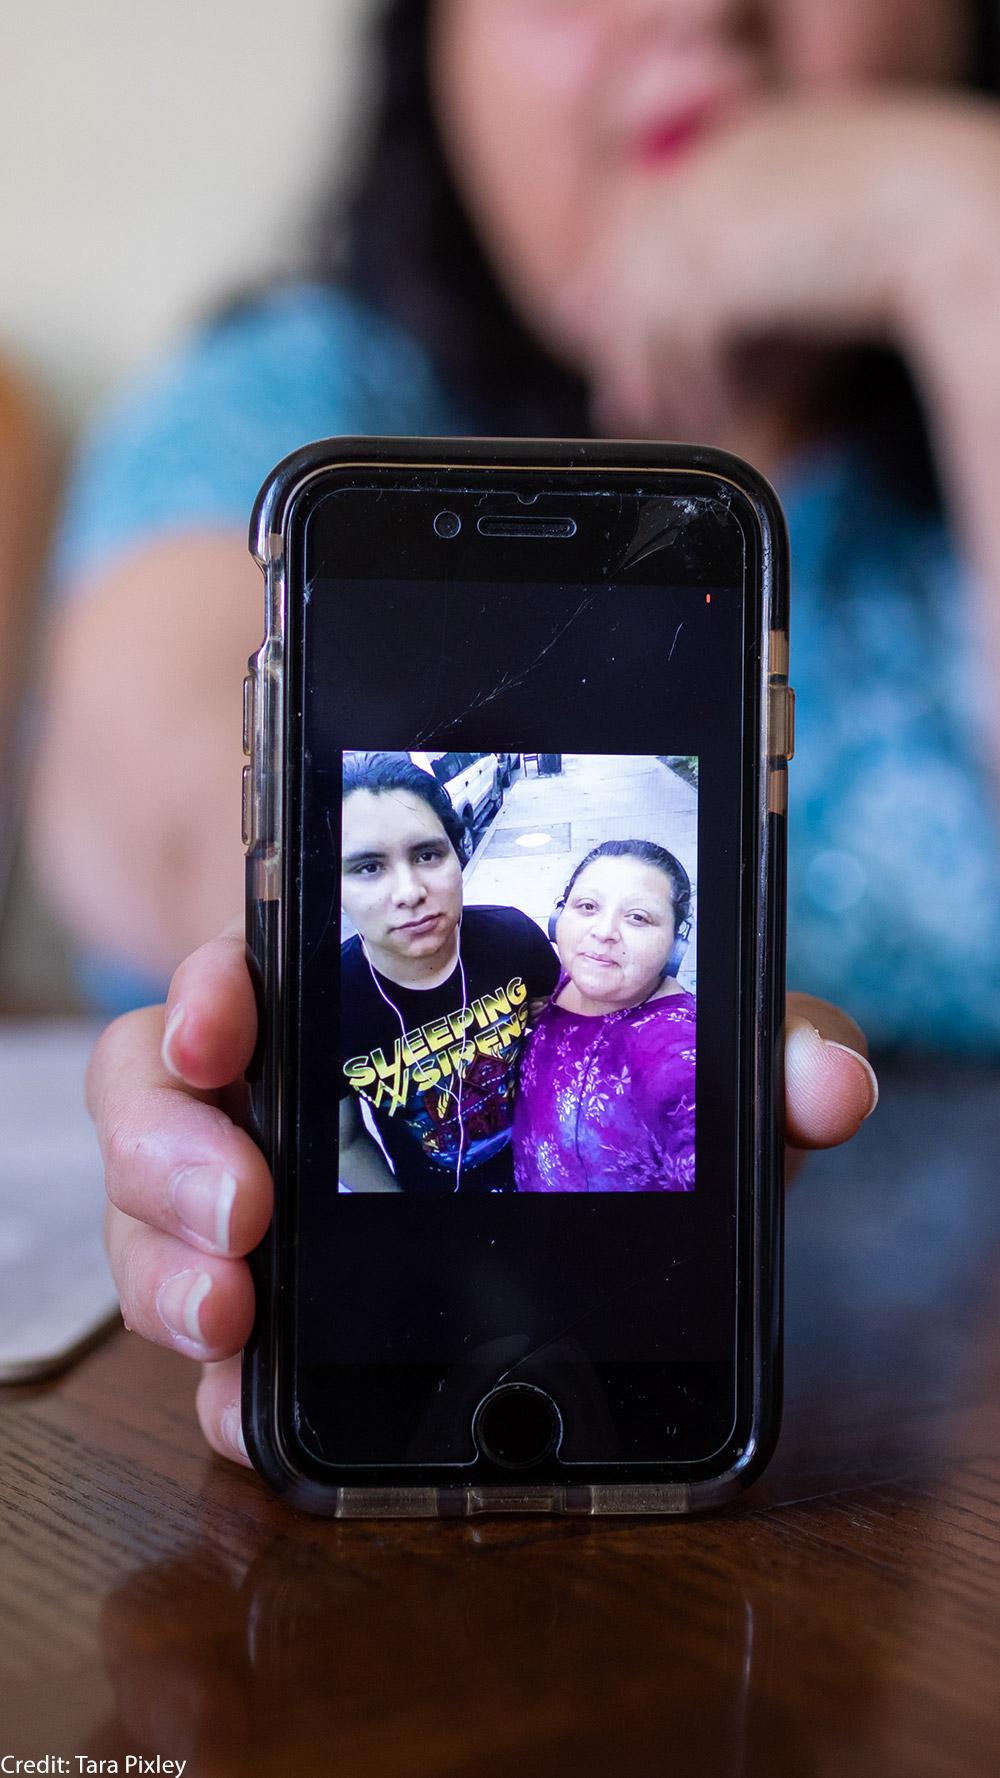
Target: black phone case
x=271 y=526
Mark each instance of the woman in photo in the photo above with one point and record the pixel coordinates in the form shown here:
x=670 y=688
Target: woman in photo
x=606 y=1094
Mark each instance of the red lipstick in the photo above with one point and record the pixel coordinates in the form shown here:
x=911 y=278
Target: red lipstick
x=670 y=140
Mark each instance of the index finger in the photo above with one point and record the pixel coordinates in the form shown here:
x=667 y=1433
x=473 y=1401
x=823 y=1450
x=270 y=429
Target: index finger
x=210 y=1026
x=173 y=1158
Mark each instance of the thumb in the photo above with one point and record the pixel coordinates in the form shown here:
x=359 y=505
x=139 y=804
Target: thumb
x=830 y=1085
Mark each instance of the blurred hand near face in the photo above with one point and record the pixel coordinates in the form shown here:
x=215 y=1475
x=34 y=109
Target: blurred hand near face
x=693 y=199
x=818 y=221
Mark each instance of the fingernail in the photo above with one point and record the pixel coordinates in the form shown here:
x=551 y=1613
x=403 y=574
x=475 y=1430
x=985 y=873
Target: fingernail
x=232 y=1431
x=170 y=1031
x=178 y=1302
x=203 y=1198
x=866 y=1065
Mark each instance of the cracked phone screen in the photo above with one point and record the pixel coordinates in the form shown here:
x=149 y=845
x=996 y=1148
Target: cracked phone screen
x=518 y=974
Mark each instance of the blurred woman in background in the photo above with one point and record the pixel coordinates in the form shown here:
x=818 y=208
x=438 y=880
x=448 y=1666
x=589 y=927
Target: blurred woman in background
x=772 y=225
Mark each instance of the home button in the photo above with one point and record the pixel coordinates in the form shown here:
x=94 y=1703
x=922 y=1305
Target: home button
x=517 y=1425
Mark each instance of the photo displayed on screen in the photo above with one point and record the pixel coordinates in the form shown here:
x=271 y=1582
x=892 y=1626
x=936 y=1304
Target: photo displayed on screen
x=518 y=972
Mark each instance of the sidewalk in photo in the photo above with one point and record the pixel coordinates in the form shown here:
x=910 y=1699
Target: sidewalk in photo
x=547 y=825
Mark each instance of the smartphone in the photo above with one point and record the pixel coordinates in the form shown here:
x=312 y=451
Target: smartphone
x=515 y=824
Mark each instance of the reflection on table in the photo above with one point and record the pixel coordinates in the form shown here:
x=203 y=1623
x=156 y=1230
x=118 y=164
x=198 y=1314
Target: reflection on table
x=841 y=1620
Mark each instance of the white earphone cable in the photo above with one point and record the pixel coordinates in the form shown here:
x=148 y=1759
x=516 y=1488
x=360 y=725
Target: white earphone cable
x=457 y=1096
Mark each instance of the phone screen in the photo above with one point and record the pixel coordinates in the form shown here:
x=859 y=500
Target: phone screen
x=523 y=800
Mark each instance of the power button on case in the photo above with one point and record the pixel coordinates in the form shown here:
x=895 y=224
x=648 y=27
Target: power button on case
x=782 y=722
x=247 y=805
x=789 y=722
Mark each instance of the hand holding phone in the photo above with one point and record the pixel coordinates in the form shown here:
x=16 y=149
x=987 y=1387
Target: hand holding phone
x=440 y=1121
x=173 y=1113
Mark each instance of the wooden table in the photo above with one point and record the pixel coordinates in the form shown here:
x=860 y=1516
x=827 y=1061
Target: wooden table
x=844 y=1620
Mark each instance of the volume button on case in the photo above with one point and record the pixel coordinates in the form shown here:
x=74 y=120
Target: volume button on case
x=248 y=713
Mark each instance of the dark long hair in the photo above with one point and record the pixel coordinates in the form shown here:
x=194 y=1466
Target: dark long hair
x=406 y=245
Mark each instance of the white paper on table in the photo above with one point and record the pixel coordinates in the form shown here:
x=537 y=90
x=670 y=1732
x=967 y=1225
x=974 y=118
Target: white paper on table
x=56 y=1291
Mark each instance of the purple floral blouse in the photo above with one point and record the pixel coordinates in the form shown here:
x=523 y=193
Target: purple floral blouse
x=606 y=1104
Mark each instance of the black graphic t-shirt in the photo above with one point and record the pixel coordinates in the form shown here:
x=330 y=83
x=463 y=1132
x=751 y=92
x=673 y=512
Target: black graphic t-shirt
x=441 y=1090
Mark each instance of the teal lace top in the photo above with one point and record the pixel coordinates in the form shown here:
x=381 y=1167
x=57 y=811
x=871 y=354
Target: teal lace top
x=894 y=851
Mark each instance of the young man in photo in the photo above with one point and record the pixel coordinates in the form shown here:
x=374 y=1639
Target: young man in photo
x=434 y=998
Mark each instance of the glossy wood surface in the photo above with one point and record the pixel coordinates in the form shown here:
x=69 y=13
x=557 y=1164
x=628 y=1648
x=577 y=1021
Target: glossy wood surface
x=844 y=1619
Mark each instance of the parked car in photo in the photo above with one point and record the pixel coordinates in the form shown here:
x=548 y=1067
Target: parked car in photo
x=474 y=783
